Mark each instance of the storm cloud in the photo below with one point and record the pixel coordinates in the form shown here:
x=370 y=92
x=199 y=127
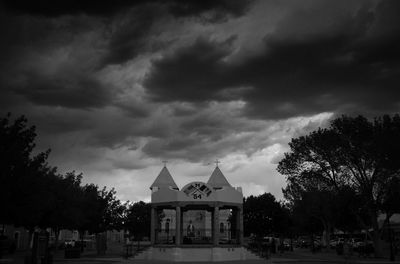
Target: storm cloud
x=320 y=64
x=220 y=8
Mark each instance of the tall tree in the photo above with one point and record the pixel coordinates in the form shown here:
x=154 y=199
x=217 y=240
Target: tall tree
x=138 y=219
x=305 y=219
x=64 y=211
x=34 y=194
x=99 y=210
x=263 y=215
x=353 y=152
x=112 y=210
x=22 y=175
x=90 y=210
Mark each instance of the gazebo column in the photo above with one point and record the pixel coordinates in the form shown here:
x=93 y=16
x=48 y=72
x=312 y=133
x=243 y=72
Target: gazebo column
x=178 y=226
x=216 y=226
x=153 y=226
x=239 y=221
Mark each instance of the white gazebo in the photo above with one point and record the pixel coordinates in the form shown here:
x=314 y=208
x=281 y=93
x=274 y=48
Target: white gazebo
x=200 y=222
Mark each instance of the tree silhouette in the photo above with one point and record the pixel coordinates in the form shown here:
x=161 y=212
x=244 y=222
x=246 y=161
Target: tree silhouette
x=137 y=219
x=34 y=195
x=263 y=215
x=352 y=153
x=22 y=175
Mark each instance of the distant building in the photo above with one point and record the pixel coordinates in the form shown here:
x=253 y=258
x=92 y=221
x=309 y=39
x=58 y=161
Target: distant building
x=394 y=223
x=20 y=236
x=115 y=236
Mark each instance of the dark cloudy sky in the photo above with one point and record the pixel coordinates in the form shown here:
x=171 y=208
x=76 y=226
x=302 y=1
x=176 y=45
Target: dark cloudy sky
x=116 y=88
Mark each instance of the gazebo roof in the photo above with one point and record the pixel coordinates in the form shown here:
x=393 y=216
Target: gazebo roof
x=164 y=191
x=217 y=179
x=164 y=179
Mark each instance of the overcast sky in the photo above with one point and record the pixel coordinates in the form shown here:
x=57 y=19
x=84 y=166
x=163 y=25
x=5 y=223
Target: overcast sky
x=114 y=89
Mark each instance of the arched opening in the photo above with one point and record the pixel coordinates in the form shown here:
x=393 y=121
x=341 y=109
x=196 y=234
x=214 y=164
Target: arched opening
x=165 y=232
x=196 y=226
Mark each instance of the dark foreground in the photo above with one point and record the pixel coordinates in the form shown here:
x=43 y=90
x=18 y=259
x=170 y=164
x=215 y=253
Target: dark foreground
x=114 y=255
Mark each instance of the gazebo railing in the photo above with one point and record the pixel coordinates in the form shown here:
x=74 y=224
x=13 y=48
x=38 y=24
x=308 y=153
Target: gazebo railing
x=165 y=236
x=198 y=236
x=229 y=237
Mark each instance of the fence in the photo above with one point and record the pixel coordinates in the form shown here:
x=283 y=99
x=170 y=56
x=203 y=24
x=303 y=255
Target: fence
x=197 y=236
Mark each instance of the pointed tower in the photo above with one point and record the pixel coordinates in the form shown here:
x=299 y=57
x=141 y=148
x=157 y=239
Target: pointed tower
x=164 y=180
x=217 y=179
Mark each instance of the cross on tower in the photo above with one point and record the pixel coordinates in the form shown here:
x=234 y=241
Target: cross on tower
x=165 y=163
x=216 y=162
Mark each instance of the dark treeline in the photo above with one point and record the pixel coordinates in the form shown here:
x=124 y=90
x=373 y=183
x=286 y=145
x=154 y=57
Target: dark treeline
x=33 y=194
x=263 y=215
x=345 y=176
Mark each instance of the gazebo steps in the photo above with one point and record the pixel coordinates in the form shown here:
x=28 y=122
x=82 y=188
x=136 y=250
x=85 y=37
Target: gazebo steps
x=141 y=255
x=197 y=254
x=250 y=255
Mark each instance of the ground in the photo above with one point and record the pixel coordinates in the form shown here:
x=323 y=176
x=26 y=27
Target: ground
x=114 y=255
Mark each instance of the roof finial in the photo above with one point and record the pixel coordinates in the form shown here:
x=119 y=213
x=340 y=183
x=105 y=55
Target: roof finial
x=165 y=163
x=216 y=163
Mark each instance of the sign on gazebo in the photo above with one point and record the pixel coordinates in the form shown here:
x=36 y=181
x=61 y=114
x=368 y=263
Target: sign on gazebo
x=197 y=190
